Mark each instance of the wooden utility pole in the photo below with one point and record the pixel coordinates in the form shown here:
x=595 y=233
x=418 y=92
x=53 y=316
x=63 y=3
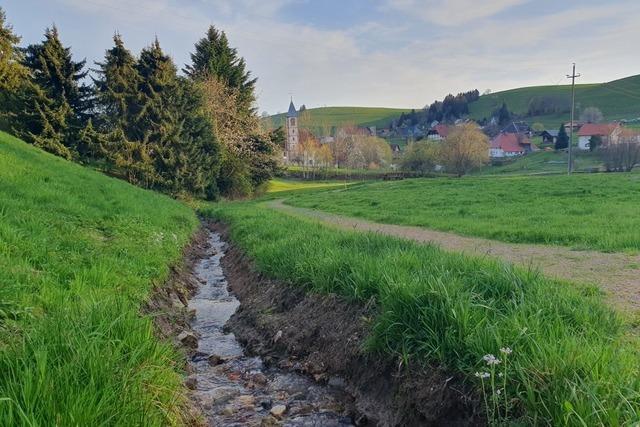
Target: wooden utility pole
x=573 y=77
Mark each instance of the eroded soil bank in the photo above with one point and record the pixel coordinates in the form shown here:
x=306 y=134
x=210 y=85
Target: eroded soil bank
x=322 y=337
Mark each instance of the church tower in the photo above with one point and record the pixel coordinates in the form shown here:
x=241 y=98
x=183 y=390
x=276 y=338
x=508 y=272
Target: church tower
x=292 y=131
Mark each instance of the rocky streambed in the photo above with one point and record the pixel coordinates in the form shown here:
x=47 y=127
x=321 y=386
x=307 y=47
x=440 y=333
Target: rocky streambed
x=234 y=388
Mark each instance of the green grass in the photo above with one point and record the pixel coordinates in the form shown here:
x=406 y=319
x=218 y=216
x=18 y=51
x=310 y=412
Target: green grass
x=281 y=185
x=619 y=99
x=79 y=254
x=340 y=116
x=598 y=211
x=571 y=365
x=544 y=162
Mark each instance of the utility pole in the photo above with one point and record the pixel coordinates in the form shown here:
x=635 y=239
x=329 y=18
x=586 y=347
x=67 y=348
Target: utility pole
x=573 y=77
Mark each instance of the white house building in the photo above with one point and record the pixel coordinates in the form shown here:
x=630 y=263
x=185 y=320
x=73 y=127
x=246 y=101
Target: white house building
x=507 y=145
x=608 y=132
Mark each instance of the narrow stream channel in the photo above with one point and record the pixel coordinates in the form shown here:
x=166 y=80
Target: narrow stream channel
x=236 y=389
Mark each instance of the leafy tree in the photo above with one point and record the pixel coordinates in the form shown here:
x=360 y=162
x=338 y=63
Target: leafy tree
x=594 y=142
x=12 y=72
x=420 y=157
x=464 y=149
x=213 y=57
x=54 y=107
x=537 y=127
x=562 y=141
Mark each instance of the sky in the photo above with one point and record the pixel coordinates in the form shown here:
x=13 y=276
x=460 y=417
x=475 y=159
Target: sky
x=377 y=53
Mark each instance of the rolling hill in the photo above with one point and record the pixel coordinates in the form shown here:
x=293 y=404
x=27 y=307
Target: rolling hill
x=618 y=99
x=338 y=116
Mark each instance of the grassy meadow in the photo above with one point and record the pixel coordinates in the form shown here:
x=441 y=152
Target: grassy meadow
x=571 y=362
x=617 y=100
x=340 y=116
x=596 y=211
x=79 y=255
x=544 y=162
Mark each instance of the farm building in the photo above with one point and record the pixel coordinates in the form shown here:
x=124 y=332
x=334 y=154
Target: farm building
x=438 y=132
x=609 y=132
x=549 y=136
x=510 y=145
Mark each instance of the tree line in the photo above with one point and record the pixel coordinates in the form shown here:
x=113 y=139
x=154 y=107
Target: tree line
x=137 y=118
x=449 y=109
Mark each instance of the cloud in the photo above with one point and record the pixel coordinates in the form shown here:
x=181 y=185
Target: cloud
x=452 y=12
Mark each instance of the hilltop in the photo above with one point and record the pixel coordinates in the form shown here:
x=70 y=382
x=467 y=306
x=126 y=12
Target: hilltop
x=618 y=99
x=338 y=116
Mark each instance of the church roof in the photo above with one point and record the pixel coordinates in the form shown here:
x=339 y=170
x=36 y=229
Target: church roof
x=292 y=110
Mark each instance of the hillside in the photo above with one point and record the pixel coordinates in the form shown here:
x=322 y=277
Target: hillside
x=338 y=116
x=618 y=99
x=79 y=255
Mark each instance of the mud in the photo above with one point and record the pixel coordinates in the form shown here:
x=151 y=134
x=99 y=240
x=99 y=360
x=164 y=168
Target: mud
x=322 y=337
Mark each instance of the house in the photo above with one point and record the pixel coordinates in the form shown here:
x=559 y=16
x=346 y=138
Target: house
x=396 y=151
x=510 y=145
x=549 y=136
x=608 y=132
x=438 y=132
x=518 y=127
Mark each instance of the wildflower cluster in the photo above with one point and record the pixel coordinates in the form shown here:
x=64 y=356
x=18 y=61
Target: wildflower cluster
x=494 y=391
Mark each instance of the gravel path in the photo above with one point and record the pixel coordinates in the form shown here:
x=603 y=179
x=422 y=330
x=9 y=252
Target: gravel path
x=616 y=273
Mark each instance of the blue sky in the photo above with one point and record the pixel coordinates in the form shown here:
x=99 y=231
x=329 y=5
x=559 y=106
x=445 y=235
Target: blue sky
x=396 y=53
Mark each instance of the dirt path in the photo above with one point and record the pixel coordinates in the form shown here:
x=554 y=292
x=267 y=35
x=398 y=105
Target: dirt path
x=617 y=274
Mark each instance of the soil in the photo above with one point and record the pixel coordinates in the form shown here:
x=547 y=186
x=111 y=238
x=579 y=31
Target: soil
x=323 y=336
x=617 y=274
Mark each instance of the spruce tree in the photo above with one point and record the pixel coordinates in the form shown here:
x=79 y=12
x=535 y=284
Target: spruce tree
x=116 y=87
x=12 y=72
x=562 y=141
x=213 y=57
x=56 y=104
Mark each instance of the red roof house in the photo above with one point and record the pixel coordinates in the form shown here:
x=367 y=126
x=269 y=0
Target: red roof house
x=438 y=132
x=510 y=145
x=608 y=132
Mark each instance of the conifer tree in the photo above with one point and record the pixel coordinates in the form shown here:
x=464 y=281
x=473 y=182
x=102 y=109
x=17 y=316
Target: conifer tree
x=12 y=72
x=562 y=141
x=213 y=57
x=56 y=104
x=116 y=89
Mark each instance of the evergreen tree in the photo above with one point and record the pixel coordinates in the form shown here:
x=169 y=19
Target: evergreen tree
x=213 y=57
x=12 y=72
x=116 y=89
x=562 y=141
x=503 y=114
x=54 y=107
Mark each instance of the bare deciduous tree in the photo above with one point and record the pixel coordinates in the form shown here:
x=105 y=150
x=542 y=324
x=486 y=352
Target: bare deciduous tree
x=591 y=115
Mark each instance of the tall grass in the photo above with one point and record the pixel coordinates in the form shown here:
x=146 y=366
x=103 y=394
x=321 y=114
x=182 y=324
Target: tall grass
x=598 y=211
x=571 y=362
x=79 y=253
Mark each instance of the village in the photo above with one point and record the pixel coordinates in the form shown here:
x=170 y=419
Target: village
x=370 y=147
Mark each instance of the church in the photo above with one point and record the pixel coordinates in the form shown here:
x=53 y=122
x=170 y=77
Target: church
x=292 y=132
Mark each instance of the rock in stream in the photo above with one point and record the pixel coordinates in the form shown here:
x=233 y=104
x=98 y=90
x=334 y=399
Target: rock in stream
x=235 y=389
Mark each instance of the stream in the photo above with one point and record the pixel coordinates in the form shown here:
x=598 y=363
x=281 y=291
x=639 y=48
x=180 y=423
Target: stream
x=236 y=389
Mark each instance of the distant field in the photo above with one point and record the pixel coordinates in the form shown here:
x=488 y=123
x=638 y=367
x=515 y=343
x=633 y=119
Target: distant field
x=79 y=256
x=619 y=99
x=544 y=162
x=280 y=185
x=338 y=116
x=597 y=211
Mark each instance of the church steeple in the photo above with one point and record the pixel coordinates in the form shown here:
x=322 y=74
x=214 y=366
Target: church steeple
x=292 y=110
x=292 y=131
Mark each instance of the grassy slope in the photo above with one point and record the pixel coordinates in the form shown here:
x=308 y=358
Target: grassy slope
x=570 y=365
x=338 y=116
x=619 y=99
x=79 y=253
x=595 y=211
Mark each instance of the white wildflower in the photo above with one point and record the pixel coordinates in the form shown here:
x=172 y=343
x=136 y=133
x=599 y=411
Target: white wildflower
x=498 y=391
x=506 y=350
x=482 y=375
x=500 y=374
x=491 y=359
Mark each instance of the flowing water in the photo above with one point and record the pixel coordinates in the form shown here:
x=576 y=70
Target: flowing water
x=235 y=389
